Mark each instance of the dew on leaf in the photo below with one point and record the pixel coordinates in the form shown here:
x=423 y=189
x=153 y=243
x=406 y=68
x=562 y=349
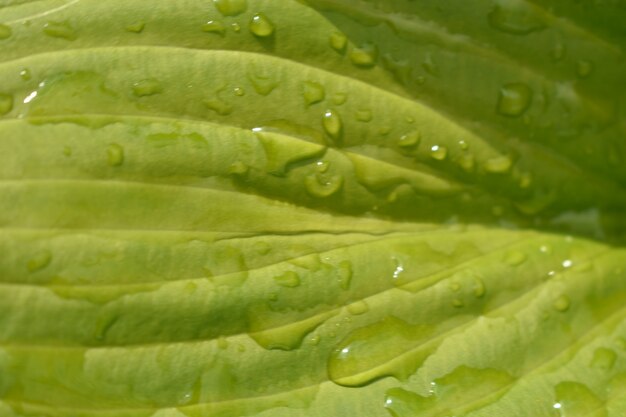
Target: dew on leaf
x=230 y=7
x=6 y=103
x=338 y=41
x=357 y=308
x=147 y=87
x=584 y=68
x=365 y=56
x=344 y=274
x=61 y=30
x=5 y=32
x=25 y=74
x=409 y=140
x=313 y=92
x=438 y=153
x=562 y=303
x=261 y=26
x=603 y=359
x=289 y=279
x=363 y=115
x=515 y=258
x=136 y=27
x=239 y=91
x=115 y=155
x=514 y=99
x=467 y=162
x=498 y=165
x=39 y=261
x=214 y=26
x=573 y=399
x=340 y=98
x=319 y=185
x=331 y=121
x=515 y=18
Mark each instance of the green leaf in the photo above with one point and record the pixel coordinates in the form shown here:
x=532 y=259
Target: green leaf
x=315 y=208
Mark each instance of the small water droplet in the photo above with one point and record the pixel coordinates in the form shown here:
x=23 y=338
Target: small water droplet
x=546 y=249
x=603 y=359
x=315 y=339
x=38 y=262
x=409 y=140
x=115 y=155
x=515 y=258
x=584 y=68
x=358 y=308
x=514 y=99
x=320 y=185
x=322 y=166
x=61 y=30
x=338 y=41
x=457 y=303
x=467 y=162
x=438 y=152
x=331 y=121
x=364 y=56
x=562 y=303
x=397 y=272
x=230 y=7
x=289 y=279
x=498 y=165
x=238 y=168
x=239 y=91
x=344 y=274
x=147 y=87
x=6 y=103
x=479 y=287
x=340 y=98
x=574 y=399
x=313 y=92
x=219 y=106
x=25 y=74
x=136 y=27
x=515 y=18
x=5 y=32
x=263 y=81
x=363 y=115
x=567 y=263
x=261 y=26
x=214 y=26
x=236 y=27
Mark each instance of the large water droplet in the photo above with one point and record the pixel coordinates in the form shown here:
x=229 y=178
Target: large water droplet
x=62 y=30
x=338 y=41
x=5 y=32
x=289 y=279
x=38 y=262
x=147 y=87
x=515 y=258
x=115 y=155
x=313 y=92
x=365 y=56
x=438 y=153
x=409 y=140
x=515 y=17
x=331 y=121
x=514 y=99
x=320 y=185
x=214 y=26
x=6 y=103
x=230 y=7
x=261 y=26
x=358 y=308
x=573 y=399
x=603 y=359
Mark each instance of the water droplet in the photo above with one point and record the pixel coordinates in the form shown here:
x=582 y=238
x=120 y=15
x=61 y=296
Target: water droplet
x=515 y=18
x=340 y=98
x=479 y=287
x=115 y=155
x=238 y=168
x=514 y=99
x=363 y=115
x=263 y=81
x=214 y=26
x=219 y=106
x=365 y=56
x=573 y=399
x=61 y=30
x=584 y=68
x=371 y=352
x=25 y=74
x=358 y=308
x=5 y=32
x=319 y=185
x=313 y=92
x=467 y=162
x=603 y=359
x=289 y=279
x=344 y=274
x=147 y=87
x=430 y=66
x=230 y=7
x=457 y=303
x=322 y=166
x=6 y=103
x=438 y=152
x=567 y=263
x=136 y=27
x=463 y=145
x=409 y=140
x=38 y=262
x=236 y=27
x=261 y=26
x=331 y=121
x=515 y=258
x=239 y=91
x=498 y=165
x=562 y=303
x=338 y=41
